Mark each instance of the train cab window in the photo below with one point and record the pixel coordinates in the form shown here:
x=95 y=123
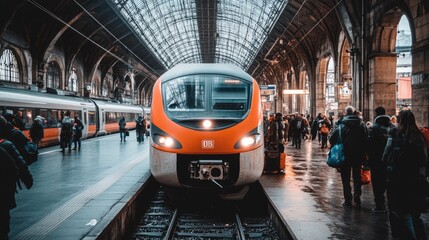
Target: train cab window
x=185 y=94
x=207 y=95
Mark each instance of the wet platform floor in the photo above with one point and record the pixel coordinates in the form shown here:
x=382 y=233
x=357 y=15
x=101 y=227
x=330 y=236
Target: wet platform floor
x=309 y=197
x=75 y=194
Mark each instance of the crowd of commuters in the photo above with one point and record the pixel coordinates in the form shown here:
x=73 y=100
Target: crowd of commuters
x=393 y=147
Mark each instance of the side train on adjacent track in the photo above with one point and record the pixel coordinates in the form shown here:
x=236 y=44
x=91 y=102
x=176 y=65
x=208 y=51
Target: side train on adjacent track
x=207 y=129
x=99 y=117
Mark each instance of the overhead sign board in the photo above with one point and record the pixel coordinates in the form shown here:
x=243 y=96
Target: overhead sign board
x=267 y=89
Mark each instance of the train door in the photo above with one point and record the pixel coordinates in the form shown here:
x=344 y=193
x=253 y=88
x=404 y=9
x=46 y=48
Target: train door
x=102 y=122
x=85 y=123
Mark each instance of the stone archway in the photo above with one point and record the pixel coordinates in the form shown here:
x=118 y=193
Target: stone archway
x=382 y=62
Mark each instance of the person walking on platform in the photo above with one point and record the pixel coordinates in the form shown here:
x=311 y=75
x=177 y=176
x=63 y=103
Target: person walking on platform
x=140 y=128
x=122 y=128
x=298 y=127
x=66 y=132
x=37 y=130
x=12 y=169
x=354 y=137
x=77 y=132
x=377 y=139
x=405 y=156
x=276 y=134
x=17 y=137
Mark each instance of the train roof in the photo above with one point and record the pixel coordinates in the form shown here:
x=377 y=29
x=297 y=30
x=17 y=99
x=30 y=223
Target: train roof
x=118 y=107
x=205 y=68
x=15 y=97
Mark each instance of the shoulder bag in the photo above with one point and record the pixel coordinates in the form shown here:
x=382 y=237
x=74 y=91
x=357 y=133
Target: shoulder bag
x=336 y=154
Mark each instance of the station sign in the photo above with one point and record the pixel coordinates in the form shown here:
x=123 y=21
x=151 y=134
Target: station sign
x=267 y=89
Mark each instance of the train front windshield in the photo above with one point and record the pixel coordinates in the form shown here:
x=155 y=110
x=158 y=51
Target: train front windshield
x=209 y=95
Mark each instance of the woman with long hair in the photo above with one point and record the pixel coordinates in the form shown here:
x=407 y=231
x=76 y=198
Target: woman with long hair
x=405 y=156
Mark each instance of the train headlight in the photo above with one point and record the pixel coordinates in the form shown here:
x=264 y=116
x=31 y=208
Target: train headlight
x=161 y=138
x=207 y=124
x=248 y=141
x=165 y=141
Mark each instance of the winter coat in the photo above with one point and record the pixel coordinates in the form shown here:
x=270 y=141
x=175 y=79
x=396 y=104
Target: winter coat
x=377 y=138
x=406 y=163
x=77 y=129
x=23 y=171
x=66 y=129
x=122 y=124
x=354 y=135
x=37 y=130
x=8 y=178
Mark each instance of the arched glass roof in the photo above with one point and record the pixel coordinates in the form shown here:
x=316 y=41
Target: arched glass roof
x=202 y=31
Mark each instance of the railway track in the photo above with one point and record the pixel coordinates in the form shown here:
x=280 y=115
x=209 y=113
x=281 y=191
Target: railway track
x=204 y=218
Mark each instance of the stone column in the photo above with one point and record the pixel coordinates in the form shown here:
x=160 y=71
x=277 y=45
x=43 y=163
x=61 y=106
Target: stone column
x=382 y=83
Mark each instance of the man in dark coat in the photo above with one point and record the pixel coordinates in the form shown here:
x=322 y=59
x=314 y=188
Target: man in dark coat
x=77 y=132
x=37 y=130
x=12 y=168
x=354 y=137
x=9 y=132
x=377 y=139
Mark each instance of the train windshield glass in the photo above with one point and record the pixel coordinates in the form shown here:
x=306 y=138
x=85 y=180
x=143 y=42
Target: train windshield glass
x=209 y=95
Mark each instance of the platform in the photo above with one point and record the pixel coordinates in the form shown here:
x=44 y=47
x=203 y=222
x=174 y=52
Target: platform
x=309 y=198
x=74 y=194
x=74 y=191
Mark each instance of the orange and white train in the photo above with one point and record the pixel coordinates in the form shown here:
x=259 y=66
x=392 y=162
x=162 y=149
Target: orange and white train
x=99 y=117
x=206 y=129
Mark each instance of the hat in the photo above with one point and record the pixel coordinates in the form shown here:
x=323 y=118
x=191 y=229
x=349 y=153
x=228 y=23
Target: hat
x=380 y=111
x=9 y=117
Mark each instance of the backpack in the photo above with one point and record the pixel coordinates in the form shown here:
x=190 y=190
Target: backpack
x=30 y=153
x=66 y=129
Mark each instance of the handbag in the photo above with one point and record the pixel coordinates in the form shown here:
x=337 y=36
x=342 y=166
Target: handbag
x=365 y=175
x=336 y=154
x=127 y=132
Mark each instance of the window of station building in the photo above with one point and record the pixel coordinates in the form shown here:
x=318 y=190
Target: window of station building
x=72 y=84
x=53 y=75
x=9 y=67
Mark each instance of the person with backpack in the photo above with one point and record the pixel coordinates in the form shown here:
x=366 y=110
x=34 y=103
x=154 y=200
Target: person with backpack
x=140 y=128
x=66 y=132
x=298 y=127
x=122 y=128
x=77 y=132
x=405 y=157
x=377 y=139
x=37 y=130
x=324 y=131
x=354 y=136
x=27 y=149
x=12 y=169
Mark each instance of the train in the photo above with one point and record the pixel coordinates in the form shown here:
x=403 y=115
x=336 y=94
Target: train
x=98 y=116
x=207 y=129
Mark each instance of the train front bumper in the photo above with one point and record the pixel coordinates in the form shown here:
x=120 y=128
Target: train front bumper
x=185 y=170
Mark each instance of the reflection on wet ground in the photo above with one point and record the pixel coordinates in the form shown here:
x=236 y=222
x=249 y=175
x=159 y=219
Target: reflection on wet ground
x=320 y=186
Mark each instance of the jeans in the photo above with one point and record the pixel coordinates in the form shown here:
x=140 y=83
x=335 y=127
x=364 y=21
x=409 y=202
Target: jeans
x=346 y=170
x=122 y=134
x=77 y=142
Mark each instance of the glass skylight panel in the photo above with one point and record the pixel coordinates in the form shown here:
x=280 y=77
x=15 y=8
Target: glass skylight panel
x=170 y=28
x=243 y=26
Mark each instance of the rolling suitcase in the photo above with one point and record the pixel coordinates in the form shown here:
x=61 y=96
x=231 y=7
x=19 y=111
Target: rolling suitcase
x=274 y=161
